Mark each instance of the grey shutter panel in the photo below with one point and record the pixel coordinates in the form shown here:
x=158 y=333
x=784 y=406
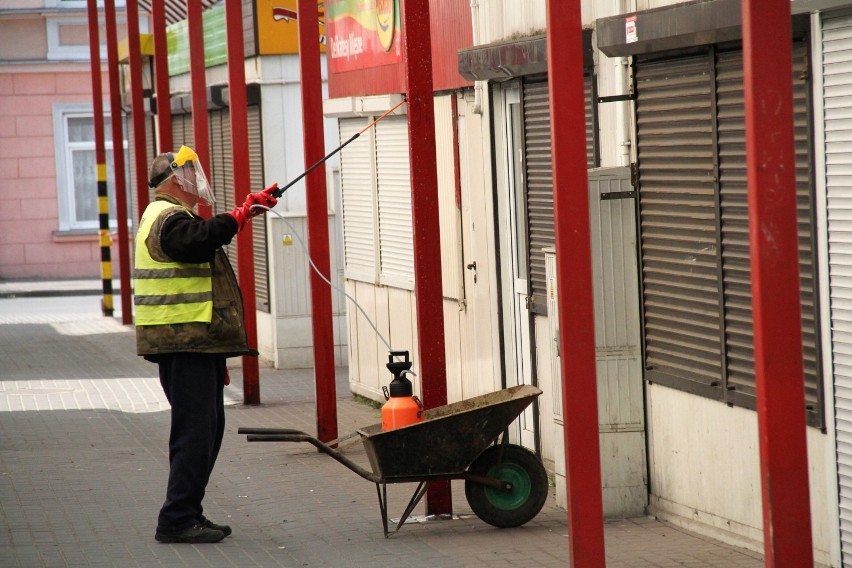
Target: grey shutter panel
x=733 y=205
x=131 y=165
x=182 y=131
x=538 y=173
x=677 y=219
x=393 y=175
x=217 y=159
x=837 y=43
x=222 y=178
x=131 y=173
x=259 y=234
x=734 y=227
x=358 y=201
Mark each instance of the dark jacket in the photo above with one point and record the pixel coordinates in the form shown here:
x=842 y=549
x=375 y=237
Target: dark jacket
x=179 y=236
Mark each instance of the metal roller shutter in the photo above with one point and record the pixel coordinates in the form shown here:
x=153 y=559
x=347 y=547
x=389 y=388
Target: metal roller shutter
x=394 y=197
x=217 y=158
x=677 y=216
x=539 y=176
x=356 y=165
x=837 y=43
x=734 y=226
x=259 y=229
x=182 y=131
x=131 y=166
x=693 y=211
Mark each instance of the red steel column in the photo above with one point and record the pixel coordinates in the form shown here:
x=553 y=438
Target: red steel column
x=161 y=69
x=118 y=162
x=773 y=238
x=429 y=295
x=100 y=159
x=574 y=274
x=137 y=103
x=198 y=86
x=242 y=187
x=313 y=139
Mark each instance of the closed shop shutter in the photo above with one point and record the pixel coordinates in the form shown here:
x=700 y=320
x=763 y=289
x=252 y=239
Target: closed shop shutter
x=394 y=198
x=217 y=159
x=539 y=176
x=131 y=166
x=357 y=174
x=182 y=131
x=693 y=214
x=221 y=155
x=734 y=224
x=259 y=228
x=220 y=172
x=837 y=43
x=677 y=204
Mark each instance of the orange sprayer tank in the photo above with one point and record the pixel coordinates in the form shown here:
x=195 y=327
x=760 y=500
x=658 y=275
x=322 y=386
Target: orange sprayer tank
x=402 y=407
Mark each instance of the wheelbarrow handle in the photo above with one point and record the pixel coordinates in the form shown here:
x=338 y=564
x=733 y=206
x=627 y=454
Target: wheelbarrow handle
x=288 y=435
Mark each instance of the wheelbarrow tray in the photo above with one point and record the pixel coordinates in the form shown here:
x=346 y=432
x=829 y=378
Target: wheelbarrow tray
x=448 y=439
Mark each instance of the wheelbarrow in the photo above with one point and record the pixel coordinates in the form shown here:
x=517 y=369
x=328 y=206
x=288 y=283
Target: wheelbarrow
x=505 y=484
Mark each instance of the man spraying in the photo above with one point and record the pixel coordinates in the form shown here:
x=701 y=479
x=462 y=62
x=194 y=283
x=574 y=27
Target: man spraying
x=189 y=320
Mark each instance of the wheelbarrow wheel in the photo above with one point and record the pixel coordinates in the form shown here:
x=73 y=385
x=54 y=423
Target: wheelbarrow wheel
x=513 y=507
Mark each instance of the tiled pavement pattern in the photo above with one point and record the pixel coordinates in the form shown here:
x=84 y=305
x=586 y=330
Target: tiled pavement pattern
x=83 y=456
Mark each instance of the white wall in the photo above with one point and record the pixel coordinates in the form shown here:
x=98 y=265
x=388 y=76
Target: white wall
x=470 y=322
x=285 y=334
x=705 y=470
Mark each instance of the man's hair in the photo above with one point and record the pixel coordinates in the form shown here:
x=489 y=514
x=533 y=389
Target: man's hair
x=160 y=169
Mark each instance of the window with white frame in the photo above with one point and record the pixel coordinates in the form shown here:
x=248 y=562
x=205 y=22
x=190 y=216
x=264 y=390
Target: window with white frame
x=76 y=173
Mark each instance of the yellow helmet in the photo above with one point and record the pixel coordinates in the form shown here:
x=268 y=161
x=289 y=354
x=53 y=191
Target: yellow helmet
x=190 y=175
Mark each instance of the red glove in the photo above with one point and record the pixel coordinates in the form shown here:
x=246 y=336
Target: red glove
x=245 y=211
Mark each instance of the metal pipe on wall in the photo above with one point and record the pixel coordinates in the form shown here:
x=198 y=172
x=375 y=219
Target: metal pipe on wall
x=242 y=187
x=574 y=274
x=118 y=162
x=428 y=283
x=104 y=238
x=773 y=241
x=317 y=205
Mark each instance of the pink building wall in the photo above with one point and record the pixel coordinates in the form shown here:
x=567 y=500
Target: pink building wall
x=30 y=247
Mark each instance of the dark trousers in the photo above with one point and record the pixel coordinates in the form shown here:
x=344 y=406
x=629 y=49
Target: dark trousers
x=193 y=383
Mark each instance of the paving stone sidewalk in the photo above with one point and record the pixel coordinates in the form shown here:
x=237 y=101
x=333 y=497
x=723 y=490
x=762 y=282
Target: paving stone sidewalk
x=83 y=465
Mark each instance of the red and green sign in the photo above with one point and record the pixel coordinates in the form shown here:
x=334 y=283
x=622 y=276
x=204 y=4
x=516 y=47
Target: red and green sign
x=362 y=34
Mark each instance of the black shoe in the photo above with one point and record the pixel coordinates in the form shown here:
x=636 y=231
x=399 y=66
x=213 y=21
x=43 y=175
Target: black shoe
x=205 y=522
x=195 y=534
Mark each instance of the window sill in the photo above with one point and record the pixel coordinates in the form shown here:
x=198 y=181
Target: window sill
x=80 y=235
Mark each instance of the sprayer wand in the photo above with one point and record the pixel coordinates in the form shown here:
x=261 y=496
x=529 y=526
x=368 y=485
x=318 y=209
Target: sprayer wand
x=280 y=191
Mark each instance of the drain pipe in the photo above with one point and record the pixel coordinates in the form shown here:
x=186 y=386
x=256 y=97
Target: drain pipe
x=622 y=120
x=477 y=85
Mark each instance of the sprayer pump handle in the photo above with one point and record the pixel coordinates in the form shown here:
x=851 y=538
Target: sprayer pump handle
x=393 y=354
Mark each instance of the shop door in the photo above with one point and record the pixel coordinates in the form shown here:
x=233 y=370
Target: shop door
x=519 y=345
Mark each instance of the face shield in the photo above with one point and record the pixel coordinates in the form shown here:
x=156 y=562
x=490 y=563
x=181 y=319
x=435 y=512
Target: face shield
x=189 y=174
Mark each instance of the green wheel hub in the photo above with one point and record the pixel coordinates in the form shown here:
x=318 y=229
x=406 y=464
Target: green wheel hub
x=515 y=497
x=524 y=473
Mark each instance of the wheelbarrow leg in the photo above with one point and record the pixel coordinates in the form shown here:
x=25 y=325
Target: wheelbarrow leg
x=382 y=491
x=383 y=504
x=418 y=495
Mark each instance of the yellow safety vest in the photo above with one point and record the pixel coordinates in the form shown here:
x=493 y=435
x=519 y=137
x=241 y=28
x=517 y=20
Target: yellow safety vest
x=169 y=292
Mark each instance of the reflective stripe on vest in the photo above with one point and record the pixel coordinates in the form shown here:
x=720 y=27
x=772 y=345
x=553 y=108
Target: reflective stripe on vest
x=169 y=292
